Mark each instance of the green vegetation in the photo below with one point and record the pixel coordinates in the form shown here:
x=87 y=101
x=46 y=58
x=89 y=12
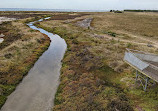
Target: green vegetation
x=5 y=91
x=111 y=33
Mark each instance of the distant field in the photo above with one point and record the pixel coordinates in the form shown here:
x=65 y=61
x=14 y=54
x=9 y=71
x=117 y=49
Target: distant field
x=144 y=24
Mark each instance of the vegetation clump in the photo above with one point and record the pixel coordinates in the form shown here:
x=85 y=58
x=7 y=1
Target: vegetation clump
x=116 y=11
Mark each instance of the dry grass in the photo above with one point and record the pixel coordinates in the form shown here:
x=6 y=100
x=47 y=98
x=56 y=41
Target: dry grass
x=144 y=24
x=133 y=27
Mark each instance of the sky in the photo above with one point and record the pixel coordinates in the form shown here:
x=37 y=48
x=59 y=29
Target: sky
x=81 y=4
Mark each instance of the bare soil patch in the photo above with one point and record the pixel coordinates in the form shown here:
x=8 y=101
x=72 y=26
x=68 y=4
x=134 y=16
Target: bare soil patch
x=86 y=23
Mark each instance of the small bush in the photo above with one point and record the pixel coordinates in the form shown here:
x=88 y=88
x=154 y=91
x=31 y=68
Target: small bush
x=119 y=105
x=111 y=33
x=31 y=30
x=129 y=45
x=74 y=41
x=8 y=56
x=118 y=12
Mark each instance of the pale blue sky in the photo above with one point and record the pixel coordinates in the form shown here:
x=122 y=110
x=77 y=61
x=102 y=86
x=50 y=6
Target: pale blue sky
x=81 y=4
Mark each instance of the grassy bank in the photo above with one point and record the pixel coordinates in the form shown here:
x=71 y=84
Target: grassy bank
x=21 y=48
x=93 y=75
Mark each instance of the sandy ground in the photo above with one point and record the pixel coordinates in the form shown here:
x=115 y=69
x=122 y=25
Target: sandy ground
x=3 y=19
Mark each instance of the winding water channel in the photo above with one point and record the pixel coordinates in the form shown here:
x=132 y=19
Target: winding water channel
x=37 y=90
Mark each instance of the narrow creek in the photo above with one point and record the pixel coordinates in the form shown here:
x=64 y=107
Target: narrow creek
x=37 y=90
x=1 y=40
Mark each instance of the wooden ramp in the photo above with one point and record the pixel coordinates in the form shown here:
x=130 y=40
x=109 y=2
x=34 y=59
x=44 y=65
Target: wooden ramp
x=145 y=63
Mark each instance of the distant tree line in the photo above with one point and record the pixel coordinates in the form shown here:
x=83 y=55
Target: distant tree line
x=141 y=10
x=116 y=11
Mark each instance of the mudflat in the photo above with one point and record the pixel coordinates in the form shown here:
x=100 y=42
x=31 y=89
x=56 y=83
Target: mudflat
x=4 y=19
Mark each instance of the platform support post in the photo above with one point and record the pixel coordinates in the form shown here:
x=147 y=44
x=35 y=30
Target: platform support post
x=136 y=76
x=146 y=83
x=146 y=79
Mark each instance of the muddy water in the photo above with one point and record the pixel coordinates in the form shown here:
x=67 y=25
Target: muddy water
x=37 y=90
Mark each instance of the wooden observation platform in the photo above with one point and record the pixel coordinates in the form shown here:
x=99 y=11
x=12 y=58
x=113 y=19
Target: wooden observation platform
x=145 y=64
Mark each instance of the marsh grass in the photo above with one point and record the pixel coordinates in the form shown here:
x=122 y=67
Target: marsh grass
x=82 y=73
x=11 y=34
x=93 y=75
